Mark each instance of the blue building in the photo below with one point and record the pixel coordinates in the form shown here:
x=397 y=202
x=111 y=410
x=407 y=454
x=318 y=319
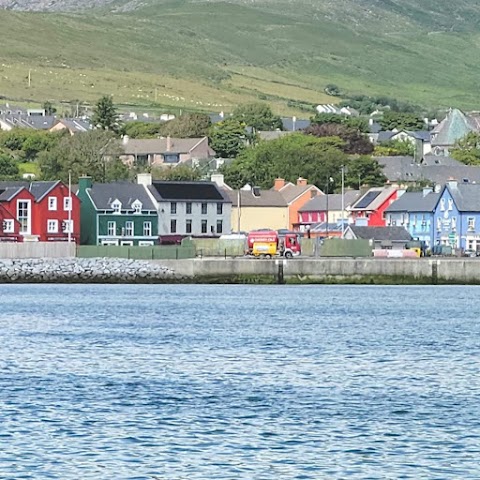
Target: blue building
x=457 y=216
x=415 y=212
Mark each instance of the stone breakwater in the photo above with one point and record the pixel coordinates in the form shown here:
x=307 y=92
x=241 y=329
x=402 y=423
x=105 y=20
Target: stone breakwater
x=83 y=270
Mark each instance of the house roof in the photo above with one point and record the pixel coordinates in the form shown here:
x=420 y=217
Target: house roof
x=373 y=199
x=440 y=174
x=385 y=136
x=75 y=124
x=319 y=203
x=452 y=128
x=7 y=193
x=429 y=160
x=291 y=192
x=465 y=196
x=188 y=191
x=398 y=168
x=266 y=198
x=104 y=194
x=415 y=202
x=40 y=189
x=159 y=145
x=272 y=134
x=394 y=234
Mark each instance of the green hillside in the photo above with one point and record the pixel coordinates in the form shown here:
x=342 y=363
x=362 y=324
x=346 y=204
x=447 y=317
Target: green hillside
x=213 y=55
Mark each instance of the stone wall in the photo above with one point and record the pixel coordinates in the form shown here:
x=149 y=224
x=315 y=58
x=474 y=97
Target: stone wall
x=83 y=270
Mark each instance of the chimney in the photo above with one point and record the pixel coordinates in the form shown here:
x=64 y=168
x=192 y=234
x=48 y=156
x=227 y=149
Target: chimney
x=301 y=182
x=144 y=179
x=84 y=182
x=279 y=184
x=169 y=143
x=256 y=191
x=125 y=139
x=219 y=179
x=452 y=184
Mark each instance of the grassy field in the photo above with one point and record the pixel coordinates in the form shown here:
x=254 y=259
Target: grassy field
x=210 y=56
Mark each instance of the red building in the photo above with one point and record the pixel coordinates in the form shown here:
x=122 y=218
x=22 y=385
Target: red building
x=370 y=208
x=40 y=211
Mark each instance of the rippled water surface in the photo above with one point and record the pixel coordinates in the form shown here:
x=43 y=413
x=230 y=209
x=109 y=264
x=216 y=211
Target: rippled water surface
x=239 y=382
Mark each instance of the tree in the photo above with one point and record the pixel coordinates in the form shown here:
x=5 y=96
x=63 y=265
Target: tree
x=49 y=108
x=190 y=125
x=289 y=157
x=395 y=148
x=354 y=123
x=259 y=116
x=105 y=116
x=333 y=90
x=354 y=142
x=401 y=121
x=178 y=173
x=8 y=167
x=227 y=138
x=141 y=129
x=95 y=153
x=467 y=149
x=366 y=171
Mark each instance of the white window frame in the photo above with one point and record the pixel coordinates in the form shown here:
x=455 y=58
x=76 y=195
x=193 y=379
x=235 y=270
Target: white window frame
x=9 y=226
x=52 y=226
x=68 y=226
x=454 y=223
x=117 y=206
x=471 y=223
x=145 y=243
x=129 y=229
x=450 y=204
x=111 y=226
x=52 y=204
x=442 y=205
x=28 y=217
x=110 y=242
x=147 y=229
x=137 y=207
x=67 y=204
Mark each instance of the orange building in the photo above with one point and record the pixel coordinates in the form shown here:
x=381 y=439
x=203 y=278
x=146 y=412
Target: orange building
x=296 y=196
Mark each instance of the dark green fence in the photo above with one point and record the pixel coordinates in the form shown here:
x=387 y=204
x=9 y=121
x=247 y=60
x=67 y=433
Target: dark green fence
x=165 y=252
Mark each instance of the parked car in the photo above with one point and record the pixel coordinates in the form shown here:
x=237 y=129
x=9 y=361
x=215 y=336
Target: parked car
x=471 y=253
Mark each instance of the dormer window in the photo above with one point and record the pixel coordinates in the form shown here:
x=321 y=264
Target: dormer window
x=117 y=206
x=137 y=206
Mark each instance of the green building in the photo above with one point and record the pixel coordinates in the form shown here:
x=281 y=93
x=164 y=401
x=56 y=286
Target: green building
x=116 y=214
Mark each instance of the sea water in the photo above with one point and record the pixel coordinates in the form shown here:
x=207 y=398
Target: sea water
x=239 y=382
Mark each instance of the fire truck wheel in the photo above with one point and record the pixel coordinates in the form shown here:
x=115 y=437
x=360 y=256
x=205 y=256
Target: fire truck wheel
x=288 y=255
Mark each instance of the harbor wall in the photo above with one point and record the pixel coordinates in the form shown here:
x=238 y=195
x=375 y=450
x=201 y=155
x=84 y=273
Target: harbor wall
x=333 y=270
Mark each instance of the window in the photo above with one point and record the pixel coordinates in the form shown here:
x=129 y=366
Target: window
x=137 y=206
x=173 y=208
x=219 y=208
x=173 y=226
x=442 y=204
x=204 y=226
x=454 y=223
x=471 y=223
x=204 y=208
x=67 y=203
x=144 y=243
x=111 y=228
x=188 y=226
x=147 y=229
x=67 y=226
x=171 y=158
x=439 y=223
x=117 y=206
x=450 y=204
x=52 y=226
x=129 y=229
x=188 y=208
x=23 y=215
x=52 y=203
x=8 y=226
x=219 y=226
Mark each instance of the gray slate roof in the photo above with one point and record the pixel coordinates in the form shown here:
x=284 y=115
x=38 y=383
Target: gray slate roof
x=319 y=203
x=415 y=202
x=291 y=192
x=8 y=193
x=465 y=196
x=394 y=234
x=159 y=145
x=267 y=198
x=165 y=191
x=104 y=194
x=429 y=160
x=40 y=189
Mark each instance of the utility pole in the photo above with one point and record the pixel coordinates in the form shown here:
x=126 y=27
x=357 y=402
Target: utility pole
x=238 y=211
x=343 y=201
x=69 y=207
x=29 y=77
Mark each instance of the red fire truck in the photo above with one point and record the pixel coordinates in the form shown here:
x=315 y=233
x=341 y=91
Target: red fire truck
x=268 y=243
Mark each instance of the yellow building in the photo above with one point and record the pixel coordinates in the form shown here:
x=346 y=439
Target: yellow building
x=254 y=209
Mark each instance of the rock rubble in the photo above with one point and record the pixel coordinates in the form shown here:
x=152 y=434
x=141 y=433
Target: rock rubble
x=83 y=270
